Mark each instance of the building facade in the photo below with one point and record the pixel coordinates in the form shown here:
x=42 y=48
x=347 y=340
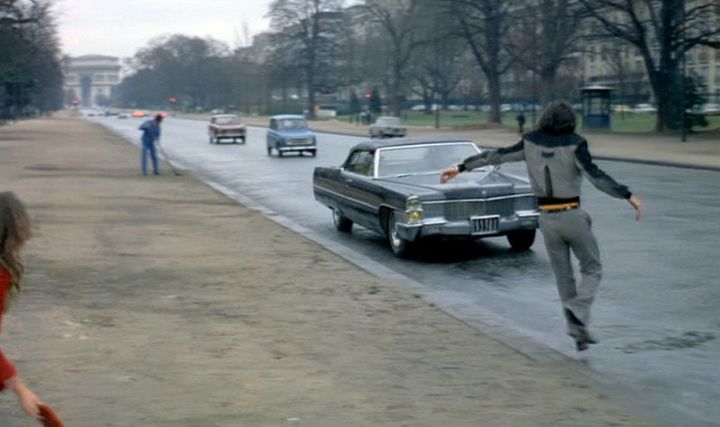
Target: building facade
x=91 y=79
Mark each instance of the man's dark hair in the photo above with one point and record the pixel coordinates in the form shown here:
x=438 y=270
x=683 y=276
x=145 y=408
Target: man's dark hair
x=558 y=117
x=158 y=118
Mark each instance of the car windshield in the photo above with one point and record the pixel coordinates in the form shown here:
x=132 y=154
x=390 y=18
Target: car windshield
x=227 y=120
x=419 y=159
x=292 y=124
x=388 y=121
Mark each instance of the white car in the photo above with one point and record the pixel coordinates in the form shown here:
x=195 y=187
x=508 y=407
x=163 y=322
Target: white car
x=711 y=109
x=644 y=108
x=386 y=127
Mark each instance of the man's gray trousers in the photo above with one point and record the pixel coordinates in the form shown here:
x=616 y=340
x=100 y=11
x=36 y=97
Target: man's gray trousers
x=567 y=231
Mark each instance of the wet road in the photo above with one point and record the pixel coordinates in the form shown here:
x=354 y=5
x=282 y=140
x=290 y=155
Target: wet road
x=656 y=315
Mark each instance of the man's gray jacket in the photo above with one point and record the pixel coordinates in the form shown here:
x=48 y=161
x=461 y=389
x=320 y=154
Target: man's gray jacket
x=555 y=164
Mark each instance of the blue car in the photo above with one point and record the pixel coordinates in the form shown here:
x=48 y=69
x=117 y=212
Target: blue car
x=290 y=133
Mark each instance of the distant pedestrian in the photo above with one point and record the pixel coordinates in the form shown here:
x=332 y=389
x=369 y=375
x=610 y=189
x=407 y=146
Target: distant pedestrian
x=14 y=232
x=151 y=135
x=556 y=159
x=521 y=123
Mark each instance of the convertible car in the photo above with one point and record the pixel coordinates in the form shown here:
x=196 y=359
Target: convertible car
x=393 y=187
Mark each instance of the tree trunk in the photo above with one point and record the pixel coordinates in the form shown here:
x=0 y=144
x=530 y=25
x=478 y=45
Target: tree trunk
x=494 y=98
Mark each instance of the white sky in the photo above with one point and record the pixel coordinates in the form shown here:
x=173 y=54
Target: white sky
x=120 y=27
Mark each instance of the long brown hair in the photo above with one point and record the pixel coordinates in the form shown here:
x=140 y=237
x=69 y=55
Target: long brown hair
x=14 y=232
x=558 y=117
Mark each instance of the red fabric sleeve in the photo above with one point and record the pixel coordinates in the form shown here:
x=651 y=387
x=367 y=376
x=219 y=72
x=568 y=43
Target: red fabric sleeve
x=7 y=370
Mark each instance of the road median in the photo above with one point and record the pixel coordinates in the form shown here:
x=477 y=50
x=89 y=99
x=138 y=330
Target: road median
x=154 y=301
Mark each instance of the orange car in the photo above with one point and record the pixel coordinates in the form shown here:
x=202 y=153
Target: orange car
x=138 y=114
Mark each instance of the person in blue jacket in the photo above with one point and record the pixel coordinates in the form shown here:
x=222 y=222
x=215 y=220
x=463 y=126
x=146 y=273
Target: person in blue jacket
x=151 y=134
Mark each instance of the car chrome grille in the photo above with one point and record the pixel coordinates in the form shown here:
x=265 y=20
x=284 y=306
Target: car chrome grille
x=485 y=224
x=299 y=141
x=463 y=210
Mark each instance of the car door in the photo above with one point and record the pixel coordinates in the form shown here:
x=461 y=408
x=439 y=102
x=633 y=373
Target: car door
x=362 y=193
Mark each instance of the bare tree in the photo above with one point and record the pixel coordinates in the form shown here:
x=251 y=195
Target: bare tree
x=546 y=36
x=300 y=22
x=485 y=26
x=662 y=31
x=402 y=21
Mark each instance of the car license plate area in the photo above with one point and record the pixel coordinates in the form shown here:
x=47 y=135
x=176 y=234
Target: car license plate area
x=484 y=224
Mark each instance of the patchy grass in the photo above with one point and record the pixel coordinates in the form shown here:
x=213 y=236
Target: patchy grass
x=628 y=122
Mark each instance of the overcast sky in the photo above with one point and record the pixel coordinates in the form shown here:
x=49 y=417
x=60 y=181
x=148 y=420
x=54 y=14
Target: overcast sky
x=120 y=27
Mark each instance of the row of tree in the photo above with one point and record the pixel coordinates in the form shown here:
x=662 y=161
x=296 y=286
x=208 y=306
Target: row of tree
x=470 y=49
x=30 y=60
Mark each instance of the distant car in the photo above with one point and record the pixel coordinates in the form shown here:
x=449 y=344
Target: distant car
x=226 y=127
x=710 y=109
x=621 y=108
x=644 y=108
x=217 y=111
x=393 y=188
x=163 y=114
x=290 y=133
x=138 y=114
x=123 y=115
x=387 y=127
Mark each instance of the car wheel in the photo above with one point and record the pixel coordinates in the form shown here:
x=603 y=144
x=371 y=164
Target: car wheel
x=342 y=223
x=280 y=153
x=399 y=246
x=313 y=153
x=521 y=240
x=242 y=140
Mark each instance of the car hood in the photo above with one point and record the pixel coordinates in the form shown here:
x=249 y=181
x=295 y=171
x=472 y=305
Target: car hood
x=472 y=185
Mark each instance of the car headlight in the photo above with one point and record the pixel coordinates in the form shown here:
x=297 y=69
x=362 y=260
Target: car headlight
x=413 y=209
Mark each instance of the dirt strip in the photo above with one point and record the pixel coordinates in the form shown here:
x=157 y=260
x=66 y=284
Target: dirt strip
x=156 y=301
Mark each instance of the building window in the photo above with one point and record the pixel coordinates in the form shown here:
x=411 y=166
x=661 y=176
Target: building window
x=99 y=77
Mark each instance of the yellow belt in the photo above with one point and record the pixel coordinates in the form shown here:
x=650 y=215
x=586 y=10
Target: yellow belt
x=560 y=207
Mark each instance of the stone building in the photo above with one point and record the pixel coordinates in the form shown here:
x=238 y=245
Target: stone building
x=91 y=79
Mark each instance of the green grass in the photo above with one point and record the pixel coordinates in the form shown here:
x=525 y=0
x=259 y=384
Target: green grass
x=630 y=122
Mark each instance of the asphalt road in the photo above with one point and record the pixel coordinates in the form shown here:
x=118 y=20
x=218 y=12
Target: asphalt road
x=656 y=313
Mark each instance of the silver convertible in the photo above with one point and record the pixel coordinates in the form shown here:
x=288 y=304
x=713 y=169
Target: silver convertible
x=393 y=188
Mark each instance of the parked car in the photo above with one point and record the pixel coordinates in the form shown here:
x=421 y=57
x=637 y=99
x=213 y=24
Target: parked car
x=138 y=113
x=710 y=109
x=622 y=108
x=392 y=187
x=290 y=133
x=644 y=108
x=386 y=127
x=226 y=127
x=123 y=115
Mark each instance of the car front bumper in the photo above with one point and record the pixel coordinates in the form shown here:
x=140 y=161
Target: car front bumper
x=309 y=147
x=439 y=227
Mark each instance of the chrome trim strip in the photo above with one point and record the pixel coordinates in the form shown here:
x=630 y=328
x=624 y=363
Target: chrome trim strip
x=490 y=199
x=342 y=196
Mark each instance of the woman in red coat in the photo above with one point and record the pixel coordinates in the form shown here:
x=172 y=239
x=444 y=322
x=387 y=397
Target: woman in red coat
x=14 y=232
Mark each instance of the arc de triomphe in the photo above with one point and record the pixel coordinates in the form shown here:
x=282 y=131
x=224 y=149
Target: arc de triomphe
x=90 y=79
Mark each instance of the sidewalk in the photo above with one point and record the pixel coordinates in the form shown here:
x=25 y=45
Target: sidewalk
x=700 y=151
x=156 y=301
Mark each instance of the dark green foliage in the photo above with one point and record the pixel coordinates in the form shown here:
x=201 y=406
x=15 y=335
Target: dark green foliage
x=692 y=102
x=30 y=64
x=375 y=103
x=355 y=106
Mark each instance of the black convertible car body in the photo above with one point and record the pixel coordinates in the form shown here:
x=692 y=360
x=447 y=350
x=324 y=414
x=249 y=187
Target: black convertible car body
x=393 y=188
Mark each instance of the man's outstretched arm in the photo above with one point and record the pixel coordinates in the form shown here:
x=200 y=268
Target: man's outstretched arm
x=514 y=153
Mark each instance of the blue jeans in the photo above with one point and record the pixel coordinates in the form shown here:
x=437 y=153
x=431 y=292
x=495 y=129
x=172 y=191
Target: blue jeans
x=149 y=148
